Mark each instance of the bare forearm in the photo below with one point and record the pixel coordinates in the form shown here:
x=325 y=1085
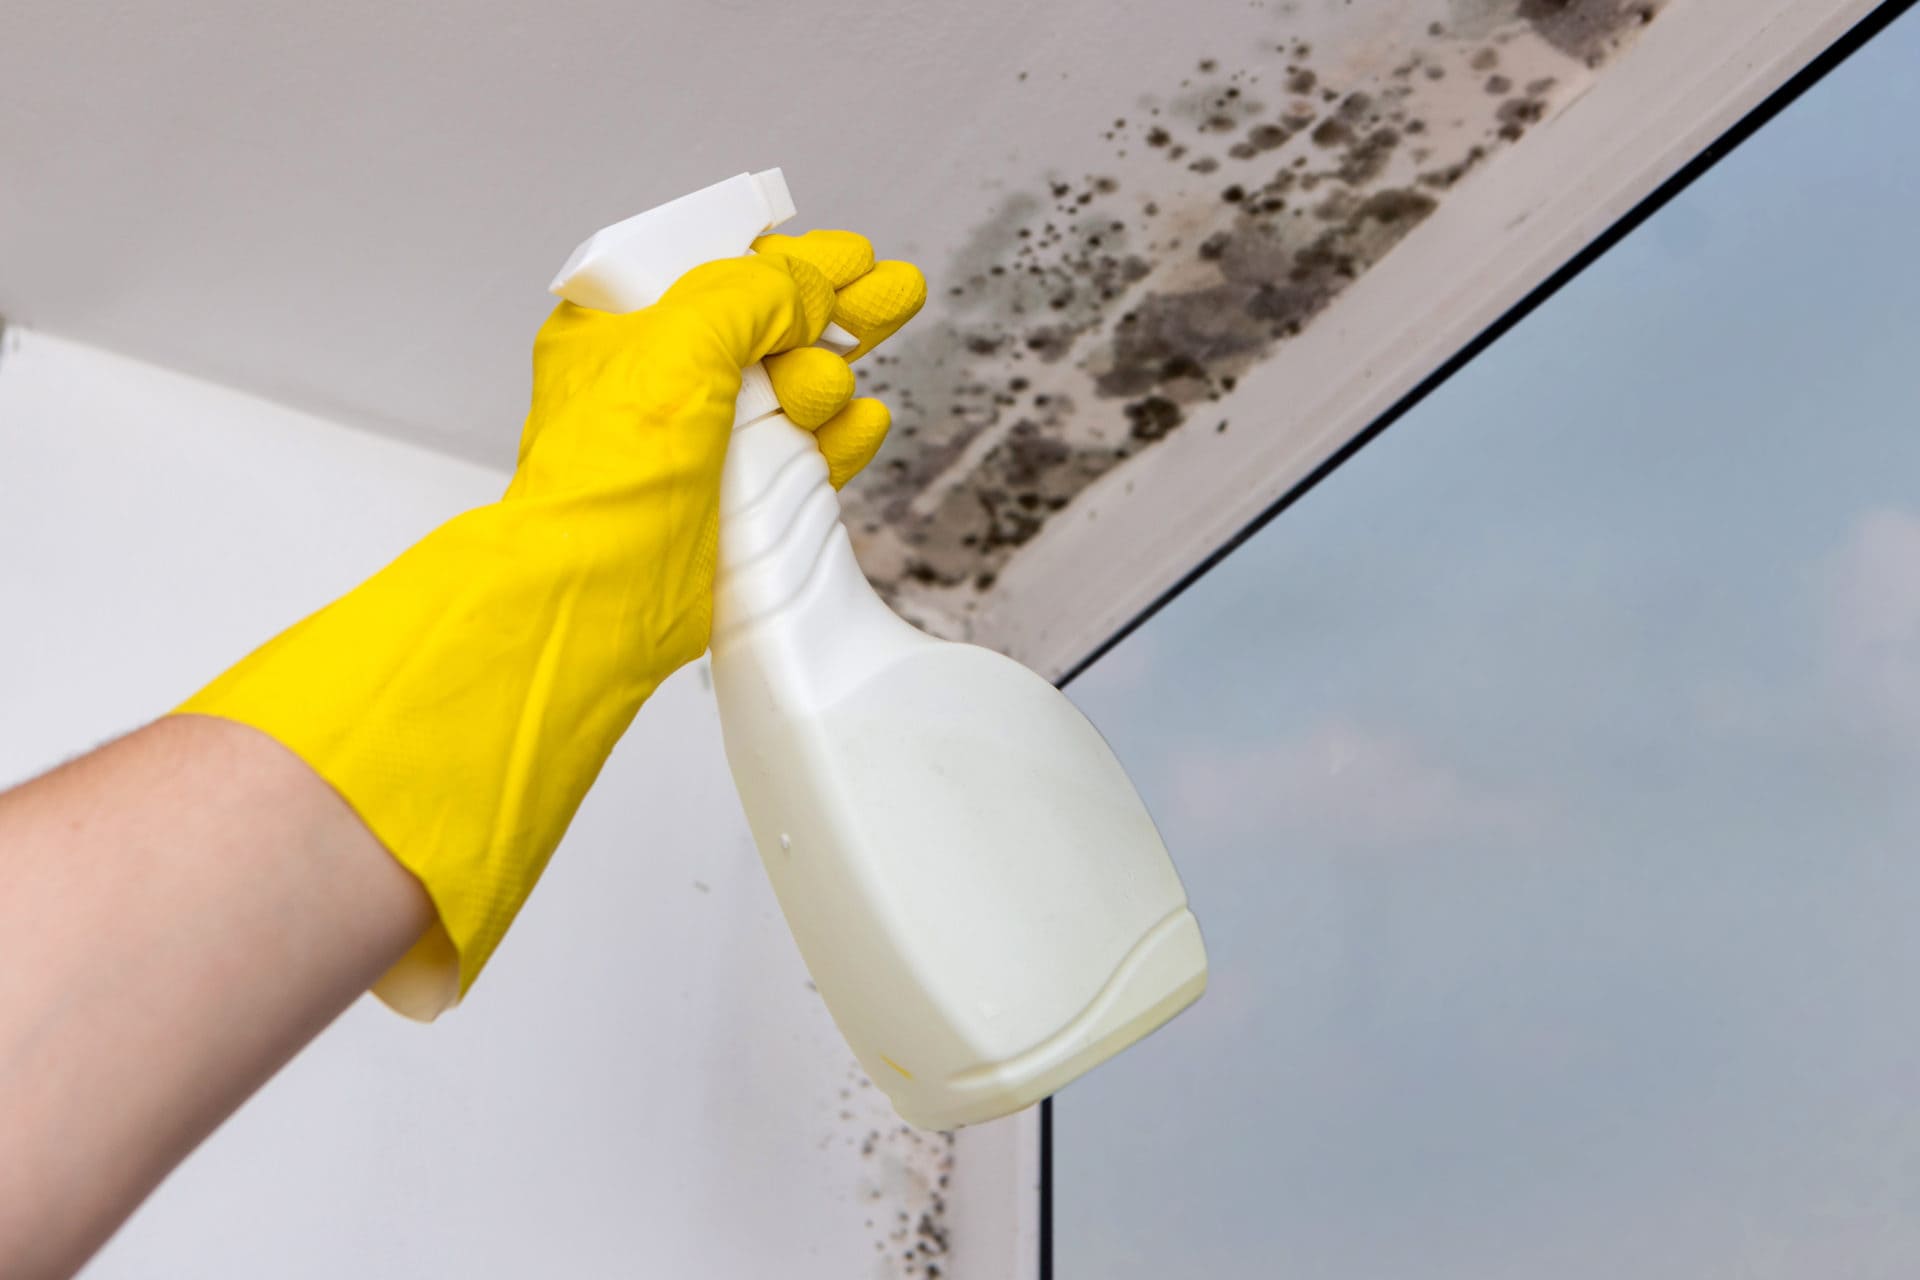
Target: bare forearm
x=180 y=912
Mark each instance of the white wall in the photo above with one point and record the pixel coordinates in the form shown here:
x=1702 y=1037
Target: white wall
x=643 y=1082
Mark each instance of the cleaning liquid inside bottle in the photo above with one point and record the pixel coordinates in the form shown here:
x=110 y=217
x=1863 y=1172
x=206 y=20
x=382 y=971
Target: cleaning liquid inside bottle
x=977 y=889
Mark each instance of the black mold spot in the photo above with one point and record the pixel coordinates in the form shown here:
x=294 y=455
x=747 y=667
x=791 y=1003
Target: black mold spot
x=1262 y=137
x=1394 y=206
x=1516 y=114
x=1331 y=133
x=1367 y=160
x=1446 y=176
x=1588 y=30
x=1268 y=136
x=1152 y=418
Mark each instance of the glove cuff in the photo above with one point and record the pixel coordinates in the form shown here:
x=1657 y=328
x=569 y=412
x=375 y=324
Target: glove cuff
x=462 y=701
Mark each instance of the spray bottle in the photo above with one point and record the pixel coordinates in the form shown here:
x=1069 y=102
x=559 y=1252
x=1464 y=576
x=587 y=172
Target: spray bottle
x=976 y=887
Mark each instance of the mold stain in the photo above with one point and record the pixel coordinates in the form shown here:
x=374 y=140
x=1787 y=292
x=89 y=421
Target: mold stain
x=904 y=1180
x=1588 y=30
x=1090 y=317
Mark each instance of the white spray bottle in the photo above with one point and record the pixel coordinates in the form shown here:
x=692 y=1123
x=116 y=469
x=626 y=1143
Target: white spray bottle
x=978 y=891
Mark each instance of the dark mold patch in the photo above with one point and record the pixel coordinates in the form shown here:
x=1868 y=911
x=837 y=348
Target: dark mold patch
x=905 y=1177
x=1093 y=317
x=1588 y=30
x=1515 y=114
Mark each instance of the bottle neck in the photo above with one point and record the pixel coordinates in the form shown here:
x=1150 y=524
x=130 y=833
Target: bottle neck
x=756 y=399
x=778 y=518
x=787 y=583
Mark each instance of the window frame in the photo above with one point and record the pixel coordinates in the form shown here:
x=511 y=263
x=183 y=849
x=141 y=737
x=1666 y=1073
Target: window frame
x=1805 y=56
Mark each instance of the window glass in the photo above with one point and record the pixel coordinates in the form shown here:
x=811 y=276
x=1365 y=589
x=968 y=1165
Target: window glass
x=1547 y=783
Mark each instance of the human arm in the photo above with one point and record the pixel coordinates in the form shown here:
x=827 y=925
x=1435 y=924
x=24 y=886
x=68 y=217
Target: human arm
x=456 y=706
x=180 y=911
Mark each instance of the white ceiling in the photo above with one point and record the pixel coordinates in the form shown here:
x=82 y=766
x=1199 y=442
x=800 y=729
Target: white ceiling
x=354 y=208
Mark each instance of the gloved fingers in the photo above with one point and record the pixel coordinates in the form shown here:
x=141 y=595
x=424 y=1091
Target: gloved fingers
x=755 y=306
x=812 y=383
x=874 y=299
x=816 y=294
x=841 y=256
x=873 y=307
x=851 y=437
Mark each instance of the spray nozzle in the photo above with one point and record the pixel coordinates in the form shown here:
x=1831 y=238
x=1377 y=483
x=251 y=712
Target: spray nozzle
x=628 y=265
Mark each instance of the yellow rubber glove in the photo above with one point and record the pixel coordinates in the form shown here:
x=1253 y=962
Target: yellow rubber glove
x=464 y=698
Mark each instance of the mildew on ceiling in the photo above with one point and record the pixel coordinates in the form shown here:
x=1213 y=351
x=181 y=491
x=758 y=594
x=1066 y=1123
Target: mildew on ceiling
x=1090 y=316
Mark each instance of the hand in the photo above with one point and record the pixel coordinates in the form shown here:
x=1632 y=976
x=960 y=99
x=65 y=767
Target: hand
x=871 y=301
x=464 y=698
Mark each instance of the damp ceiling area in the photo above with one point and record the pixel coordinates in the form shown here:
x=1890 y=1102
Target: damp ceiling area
x=1129 y=214
x=1096 y=311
